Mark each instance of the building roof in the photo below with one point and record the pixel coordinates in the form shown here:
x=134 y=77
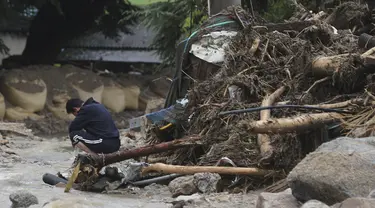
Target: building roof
x=95 y=46
x=129 y=56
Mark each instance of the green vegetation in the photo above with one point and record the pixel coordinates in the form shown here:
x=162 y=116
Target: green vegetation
x=172 y=21
x=279 y=10
x=66 y=20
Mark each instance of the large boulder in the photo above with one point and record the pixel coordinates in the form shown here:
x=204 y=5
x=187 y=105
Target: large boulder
x=19 y=114
x=357 y=202
x=314 y=204
x=57 y=107
x=86 y=83
x=22 y=199
x=283 y=199
x=337 y=170
x=113 y=96
x=132 y=93
x=24 y=89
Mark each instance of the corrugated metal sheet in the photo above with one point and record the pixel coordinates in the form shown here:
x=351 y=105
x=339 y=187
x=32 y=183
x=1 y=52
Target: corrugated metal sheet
x=130 y=56
x=141 y=38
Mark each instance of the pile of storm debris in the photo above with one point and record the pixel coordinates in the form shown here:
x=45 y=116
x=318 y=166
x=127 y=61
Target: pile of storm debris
x=274 y=93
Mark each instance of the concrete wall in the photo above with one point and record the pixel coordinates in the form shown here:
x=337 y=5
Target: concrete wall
x=215 y=6
x=15 y=42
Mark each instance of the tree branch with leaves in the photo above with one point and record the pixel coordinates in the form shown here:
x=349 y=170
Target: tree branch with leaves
x=172 y=21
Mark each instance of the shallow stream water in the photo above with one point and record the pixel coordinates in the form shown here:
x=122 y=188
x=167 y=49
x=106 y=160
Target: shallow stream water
x=51 y=156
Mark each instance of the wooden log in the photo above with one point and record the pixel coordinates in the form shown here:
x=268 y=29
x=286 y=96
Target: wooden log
x=107 y=159
x=293 y=124
x=327 y=66
x=186 y=170
x=264 y=140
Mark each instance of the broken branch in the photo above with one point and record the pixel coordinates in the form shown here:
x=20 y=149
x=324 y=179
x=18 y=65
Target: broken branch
x=264 y=141
x=107 y=159
x=255 y=46
x=287 y=125
x=313 y=85
x=327 y=66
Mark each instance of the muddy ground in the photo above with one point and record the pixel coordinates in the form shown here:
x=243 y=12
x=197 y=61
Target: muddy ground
x=25 y=160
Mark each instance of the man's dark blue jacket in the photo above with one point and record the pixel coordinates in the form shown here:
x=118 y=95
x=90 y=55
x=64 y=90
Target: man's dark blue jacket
x=96 y=120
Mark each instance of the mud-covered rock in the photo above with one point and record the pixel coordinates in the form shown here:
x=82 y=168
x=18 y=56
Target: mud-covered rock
x=22 y=199
x=337 y=170
x=283 y=199
x=207 y=182
x=182 y=186
x=314 y=204
x=356 y=202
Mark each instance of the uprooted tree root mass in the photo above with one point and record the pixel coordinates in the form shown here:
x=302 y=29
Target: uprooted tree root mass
x=259 y=63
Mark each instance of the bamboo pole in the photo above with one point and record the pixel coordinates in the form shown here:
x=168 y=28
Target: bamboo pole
x=188 y=170
x=287 y=125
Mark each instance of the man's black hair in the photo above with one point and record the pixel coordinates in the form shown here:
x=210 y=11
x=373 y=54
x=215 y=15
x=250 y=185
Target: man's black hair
x=73 y=103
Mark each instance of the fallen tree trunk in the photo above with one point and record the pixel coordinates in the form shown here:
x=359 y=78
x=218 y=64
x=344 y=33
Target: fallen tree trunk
x=287 y=125
x=327 y=66
x=107 y=159
x=187 y=170
x=264 y=140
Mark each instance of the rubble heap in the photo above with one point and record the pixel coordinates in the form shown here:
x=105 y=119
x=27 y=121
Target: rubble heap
x=309 y=63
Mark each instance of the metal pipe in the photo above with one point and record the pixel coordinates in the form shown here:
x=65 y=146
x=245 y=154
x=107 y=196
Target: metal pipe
x=53 y=179
x=155 y=180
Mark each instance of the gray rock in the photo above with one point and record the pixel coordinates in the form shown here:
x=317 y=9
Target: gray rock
x=283 y=199
x=337 y=170
x=357 y=202
x=182 y=186
x=22 y=199
x=207 y=182
x=314 y=204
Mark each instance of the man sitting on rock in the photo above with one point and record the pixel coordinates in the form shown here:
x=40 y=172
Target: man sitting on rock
x=93 y=129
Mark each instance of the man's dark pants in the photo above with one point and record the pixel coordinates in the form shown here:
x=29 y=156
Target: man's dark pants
x=97 y=145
